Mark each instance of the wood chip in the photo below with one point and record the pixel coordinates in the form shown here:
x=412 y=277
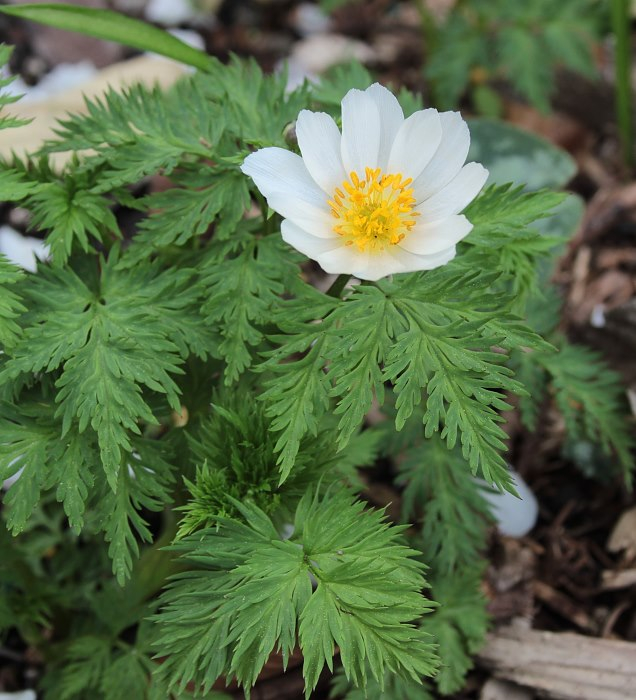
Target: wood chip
x=564 y=606
x=149 y=70
x=614 y=580
x=495 y=689
x=563 y=666
x=623 y=536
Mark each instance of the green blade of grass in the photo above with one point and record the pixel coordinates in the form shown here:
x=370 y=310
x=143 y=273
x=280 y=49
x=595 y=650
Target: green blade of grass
x=106 y=24
x=621 y=29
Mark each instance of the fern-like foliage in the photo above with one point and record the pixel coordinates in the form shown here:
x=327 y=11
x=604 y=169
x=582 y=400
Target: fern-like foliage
x=504 y=240
x=242 y=287
x=521 y=43
x=588 y=394
x=72 y=213
x=247 y=584
x=395 y=688
x=141 y=131
x=104 y=367
x=459 y=624
x=233 y=450
x=11 y=306
x=453 y=514
x=453 y=519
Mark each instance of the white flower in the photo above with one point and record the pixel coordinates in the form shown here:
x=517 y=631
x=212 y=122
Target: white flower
x=380 y=198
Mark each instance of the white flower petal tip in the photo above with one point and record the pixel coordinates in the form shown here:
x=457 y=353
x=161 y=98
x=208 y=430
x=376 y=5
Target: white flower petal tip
x=382 y=198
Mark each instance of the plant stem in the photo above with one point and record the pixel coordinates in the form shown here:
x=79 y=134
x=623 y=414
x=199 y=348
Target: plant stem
x=620 y=27
x=338 y=285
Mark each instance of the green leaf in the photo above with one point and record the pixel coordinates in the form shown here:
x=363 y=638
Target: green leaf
x=459 y=625
x=7 y=98
x=243 y=582
x=120 y=509
x=113 y=26
x=73 y=215
x=104 y=364
x=241 y=291
x=458 y=50
x=200 y=200
x=363 y=329
x=298 y=392
x=591 y=399
x=14 y=186
x=258 y=107
x=506 y=238
x=445 y=349
x=519 y=157
x=440 y=493
x=10 y=304
x=31 y=443
x=521 y=52
x=338 y=81
x=140 y=131
x=368 y=594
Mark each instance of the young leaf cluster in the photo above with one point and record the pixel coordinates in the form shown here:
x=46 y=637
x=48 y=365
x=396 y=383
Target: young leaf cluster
x=232 y=449
x=522 y=43
x=245 y=584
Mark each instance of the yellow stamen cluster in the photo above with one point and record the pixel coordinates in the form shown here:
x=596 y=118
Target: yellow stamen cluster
x=375 y=212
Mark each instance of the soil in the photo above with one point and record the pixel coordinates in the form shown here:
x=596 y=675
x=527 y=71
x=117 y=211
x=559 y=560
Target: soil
x=569 y=574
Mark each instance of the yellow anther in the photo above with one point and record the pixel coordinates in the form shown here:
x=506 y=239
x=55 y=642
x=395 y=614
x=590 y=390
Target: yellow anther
x=375 y=212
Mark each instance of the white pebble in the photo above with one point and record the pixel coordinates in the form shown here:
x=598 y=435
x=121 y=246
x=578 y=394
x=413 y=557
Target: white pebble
x=22 y=250
x=515 y=517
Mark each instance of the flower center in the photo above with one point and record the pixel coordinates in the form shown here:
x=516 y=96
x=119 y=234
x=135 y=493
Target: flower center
x=375 y=212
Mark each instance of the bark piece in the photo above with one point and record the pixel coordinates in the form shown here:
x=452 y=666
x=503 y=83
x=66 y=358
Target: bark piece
x=495 y=689
x=563 y=666
x=149 y=70
x=623 y=535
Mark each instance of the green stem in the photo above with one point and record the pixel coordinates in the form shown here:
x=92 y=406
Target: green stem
x=620 y=27
x=338 y=285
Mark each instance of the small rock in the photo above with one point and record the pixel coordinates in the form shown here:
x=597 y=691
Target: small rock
x=22 y=250
x=63 y=77
x=170 y=12
x=320 y=52
x=308 y=19
x=20 y=695
x=515 y=516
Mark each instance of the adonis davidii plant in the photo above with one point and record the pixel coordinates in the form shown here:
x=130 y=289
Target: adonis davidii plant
x=186 y=409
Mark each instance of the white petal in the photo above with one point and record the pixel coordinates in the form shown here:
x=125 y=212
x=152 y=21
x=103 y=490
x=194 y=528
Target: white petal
x=391 y=118
x=360 y=132
x=305 y=243
x=316 y=220
x=448 y=159
x=457 y=194
x=415 y=143
x=412 y=263
x=378 y=265
x=319 y=141
x=341 y=260
x=277 y=170
x=429 y=239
